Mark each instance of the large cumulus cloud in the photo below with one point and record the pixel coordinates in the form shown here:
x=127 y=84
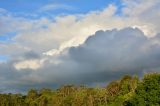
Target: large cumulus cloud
x=63 y=49
x=104 y=56
x=46 y=35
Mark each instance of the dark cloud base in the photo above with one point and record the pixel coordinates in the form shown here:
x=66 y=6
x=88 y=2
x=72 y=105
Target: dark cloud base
x=103 y=57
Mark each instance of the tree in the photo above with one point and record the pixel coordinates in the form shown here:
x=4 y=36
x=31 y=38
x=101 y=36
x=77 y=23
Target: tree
x=147 y=92
x=128 y=91
x=31 y=97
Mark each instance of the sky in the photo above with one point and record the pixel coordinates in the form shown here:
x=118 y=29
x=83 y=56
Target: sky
x=49 y=43
x=56 y=6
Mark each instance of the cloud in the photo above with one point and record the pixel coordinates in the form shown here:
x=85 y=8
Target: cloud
x=107 y=55
x=52 y=7
x=47 y=52
x=3 y=11
x=104 y=56
x=31 y=64
x=54 y=34
x=145 y=11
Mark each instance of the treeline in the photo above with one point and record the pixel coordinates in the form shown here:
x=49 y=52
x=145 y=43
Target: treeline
x=128 y=91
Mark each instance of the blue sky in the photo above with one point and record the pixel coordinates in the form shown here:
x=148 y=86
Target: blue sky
x=7 y=37
x=3 y=58
x=33 y=6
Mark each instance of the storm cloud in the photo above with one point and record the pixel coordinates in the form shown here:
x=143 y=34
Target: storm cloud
x=104 y=56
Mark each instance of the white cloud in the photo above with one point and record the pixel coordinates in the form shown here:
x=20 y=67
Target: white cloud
x=45 y=35
x=138 y=7
x=51 y=7
x=146 y=12
x=28 y=64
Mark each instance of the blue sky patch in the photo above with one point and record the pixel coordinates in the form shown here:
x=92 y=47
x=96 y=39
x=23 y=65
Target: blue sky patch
x=74 y=6
x=3 y=58
x=7 y=37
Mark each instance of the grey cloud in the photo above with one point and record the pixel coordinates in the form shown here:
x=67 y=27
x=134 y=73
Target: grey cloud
x=126 y=51
x=31 y=55
x=104 y=56
x=9 y=77
x=111 y=50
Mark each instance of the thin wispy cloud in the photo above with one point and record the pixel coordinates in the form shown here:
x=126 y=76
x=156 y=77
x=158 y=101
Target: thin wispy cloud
x=53 y=7
x=2 y=10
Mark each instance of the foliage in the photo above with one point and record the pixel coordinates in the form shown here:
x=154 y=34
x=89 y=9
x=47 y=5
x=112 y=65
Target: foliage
x=128 y=91
x=147 y=91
